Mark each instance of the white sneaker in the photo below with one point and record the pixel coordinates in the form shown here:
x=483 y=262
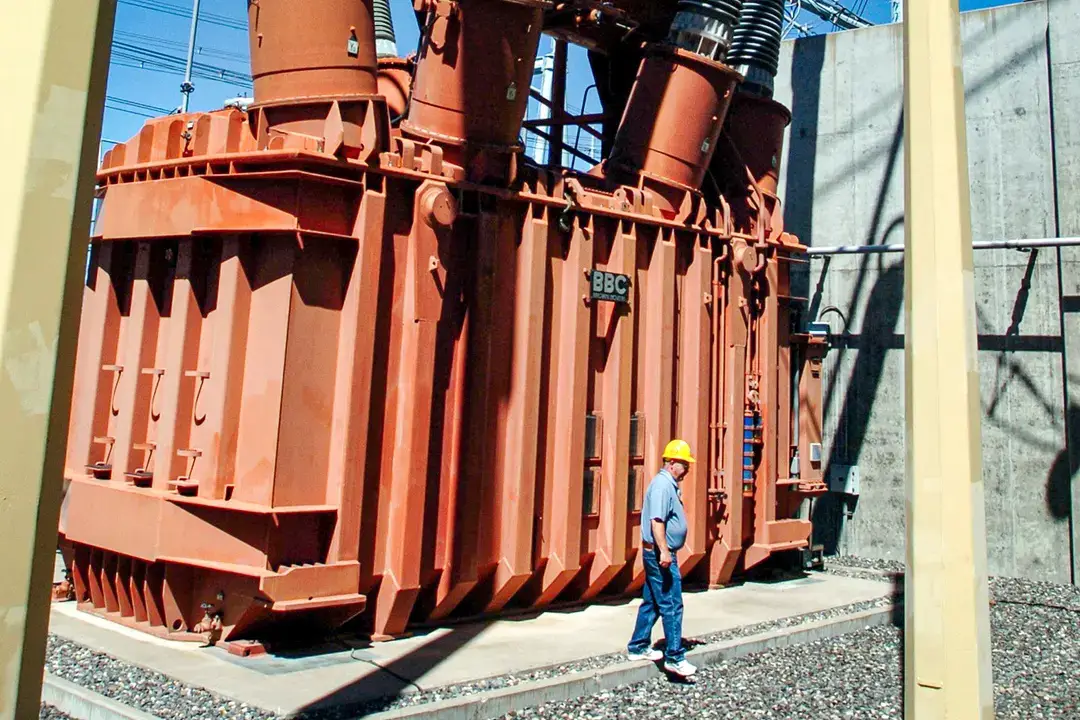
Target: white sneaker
x=650 y=655
x=681 y=668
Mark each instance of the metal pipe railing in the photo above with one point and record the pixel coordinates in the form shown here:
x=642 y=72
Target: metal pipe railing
x=983 y=245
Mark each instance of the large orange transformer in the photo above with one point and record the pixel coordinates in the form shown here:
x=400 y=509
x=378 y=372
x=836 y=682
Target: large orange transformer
x=339 y=360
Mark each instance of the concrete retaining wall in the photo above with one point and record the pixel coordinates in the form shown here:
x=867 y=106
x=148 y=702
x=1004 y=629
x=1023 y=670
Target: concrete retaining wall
x=843 y=184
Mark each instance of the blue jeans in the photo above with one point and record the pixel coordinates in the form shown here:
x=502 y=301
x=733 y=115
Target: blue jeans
x=661 y=598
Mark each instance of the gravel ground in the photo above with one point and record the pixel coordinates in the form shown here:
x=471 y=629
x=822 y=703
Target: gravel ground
x=137 y=687
x=160 y=695
x=822 y=680
x=852 y=561
x=863 y=568
x=1036 y=650
x=48 y=712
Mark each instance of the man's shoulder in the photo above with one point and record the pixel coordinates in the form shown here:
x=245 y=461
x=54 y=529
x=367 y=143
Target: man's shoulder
x=661 y=482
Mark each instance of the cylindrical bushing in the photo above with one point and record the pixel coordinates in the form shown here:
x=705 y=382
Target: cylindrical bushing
x=674 y=117
x=756 y=128
x=313 y=49
x=705 y=26
x=385 y=41
x=755 y=44
x=473 y=74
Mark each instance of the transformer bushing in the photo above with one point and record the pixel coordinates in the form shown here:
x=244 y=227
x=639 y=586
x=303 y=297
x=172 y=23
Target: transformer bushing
x=755 y=44
x=681 y=84
x=385 y=40
x=472 y=81
x=705 y=27
x=314 y=68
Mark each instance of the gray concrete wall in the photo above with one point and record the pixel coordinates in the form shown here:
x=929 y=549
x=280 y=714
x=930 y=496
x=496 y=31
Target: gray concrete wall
x=843 y=184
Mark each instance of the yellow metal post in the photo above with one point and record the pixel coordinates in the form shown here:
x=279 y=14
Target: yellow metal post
x=53 y=65
x=947 y=635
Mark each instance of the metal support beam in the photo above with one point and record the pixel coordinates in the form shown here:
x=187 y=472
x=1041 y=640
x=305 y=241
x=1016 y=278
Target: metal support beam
x=54 y=57
x=1026 y=244
x=558 y=103
x=947 y=672
x=186 y=88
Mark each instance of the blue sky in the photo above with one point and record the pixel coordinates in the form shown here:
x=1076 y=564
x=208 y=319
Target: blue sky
x=151 y=36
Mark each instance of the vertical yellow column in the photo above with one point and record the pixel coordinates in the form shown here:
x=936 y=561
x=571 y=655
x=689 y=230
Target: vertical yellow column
x=947 y=638
x=53 y=66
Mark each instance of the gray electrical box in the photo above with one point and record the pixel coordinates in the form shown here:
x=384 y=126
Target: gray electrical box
x=844 y=479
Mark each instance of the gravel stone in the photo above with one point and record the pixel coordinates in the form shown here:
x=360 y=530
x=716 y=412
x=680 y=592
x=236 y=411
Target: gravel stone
x=852 y=676
x=1036 y=649
x=853 y=561
x=137 y=687
x=48 y=712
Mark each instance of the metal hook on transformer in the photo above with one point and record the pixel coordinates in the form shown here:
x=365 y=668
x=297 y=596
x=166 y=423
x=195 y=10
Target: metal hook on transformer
x=565 y=219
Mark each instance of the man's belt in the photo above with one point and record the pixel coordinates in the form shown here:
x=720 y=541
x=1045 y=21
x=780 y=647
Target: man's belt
x=647 y=545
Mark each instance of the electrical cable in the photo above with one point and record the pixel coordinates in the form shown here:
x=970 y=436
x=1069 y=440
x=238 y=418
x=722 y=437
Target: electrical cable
x=1053 y=606
x=182 y=12
x=122 y=49
x=136 y=104
x=199 y=50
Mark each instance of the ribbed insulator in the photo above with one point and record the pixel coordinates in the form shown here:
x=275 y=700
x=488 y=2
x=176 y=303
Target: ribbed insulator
x=756 y=41
x=385 y=42
x=727 y=10
x=705 y=26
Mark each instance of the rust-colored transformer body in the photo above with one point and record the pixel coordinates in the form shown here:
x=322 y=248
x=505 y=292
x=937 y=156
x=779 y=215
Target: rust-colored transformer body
x=328 y=369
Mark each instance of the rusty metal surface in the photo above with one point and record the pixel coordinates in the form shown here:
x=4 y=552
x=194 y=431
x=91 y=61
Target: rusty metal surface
x=322 y=376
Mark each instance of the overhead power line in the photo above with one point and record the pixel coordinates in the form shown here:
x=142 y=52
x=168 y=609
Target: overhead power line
x=123 y=51
x=134 y=107
x=152 y=66
x=836 y=13
x=151 y=41
x=183 y=12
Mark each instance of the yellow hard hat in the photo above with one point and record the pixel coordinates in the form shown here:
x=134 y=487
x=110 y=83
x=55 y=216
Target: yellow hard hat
x=678 y=450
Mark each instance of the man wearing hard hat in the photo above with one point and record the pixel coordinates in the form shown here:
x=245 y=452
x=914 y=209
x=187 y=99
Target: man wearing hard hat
x=663 y=533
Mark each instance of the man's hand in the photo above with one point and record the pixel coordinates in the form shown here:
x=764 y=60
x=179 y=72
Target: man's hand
x=660 y=537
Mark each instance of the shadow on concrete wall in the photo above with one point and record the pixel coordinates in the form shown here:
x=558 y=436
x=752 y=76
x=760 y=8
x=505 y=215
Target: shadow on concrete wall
x=886 y=300
x=872 y=346
x=885 y=303
x=1064 y=469
x=877 y=337
x=808 y=60
x=806 y=65
x=1009 y=372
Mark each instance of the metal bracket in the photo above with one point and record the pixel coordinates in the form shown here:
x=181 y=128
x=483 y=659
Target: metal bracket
x=844 y=479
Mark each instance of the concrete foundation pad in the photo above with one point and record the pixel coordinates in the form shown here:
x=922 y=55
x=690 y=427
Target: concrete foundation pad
x=344 y=674
x=78 y=702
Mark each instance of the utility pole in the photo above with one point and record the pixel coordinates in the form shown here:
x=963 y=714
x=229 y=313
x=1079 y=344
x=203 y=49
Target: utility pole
x=947 y=672
x=186 y=88
x=54 y=60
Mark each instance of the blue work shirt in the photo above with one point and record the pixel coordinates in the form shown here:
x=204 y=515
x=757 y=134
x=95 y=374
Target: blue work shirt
x=663 y=503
